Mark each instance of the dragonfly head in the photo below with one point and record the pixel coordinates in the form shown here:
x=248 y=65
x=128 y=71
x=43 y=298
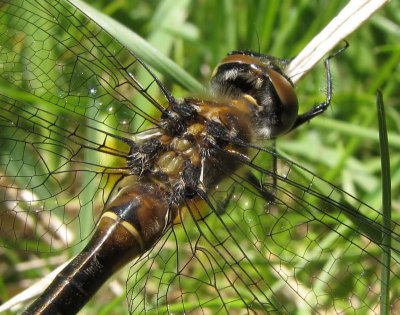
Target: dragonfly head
x=260 y=79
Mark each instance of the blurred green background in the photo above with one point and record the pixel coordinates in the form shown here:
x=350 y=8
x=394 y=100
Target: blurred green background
x=342 y=145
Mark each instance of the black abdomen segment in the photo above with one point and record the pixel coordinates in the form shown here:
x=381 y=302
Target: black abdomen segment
x=131 y=223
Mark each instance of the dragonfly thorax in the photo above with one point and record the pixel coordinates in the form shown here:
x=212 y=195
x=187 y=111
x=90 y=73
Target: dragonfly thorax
x=185 y=158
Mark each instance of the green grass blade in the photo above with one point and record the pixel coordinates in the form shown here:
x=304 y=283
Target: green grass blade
x=141 y=48
x=386 y=205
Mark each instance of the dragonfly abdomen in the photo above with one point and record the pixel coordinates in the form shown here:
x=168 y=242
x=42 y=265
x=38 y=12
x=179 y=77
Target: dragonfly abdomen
x=131 y=223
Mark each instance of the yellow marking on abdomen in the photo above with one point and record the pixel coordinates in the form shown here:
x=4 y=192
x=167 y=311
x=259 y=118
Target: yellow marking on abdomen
x=129 y=227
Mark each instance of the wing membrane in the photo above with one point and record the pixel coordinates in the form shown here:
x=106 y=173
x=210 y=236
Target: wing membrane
x=51 y=166
x=55 y=52
x=274 y=248
x=69 y=94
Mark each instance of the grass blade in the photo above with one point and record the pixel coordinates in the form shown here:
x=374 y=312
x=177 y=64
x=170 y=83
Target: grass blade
x=386 y=204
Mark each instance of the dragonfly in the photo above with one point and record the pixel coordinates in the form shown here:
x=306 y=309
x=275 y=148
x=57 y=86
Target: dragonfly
x=231 y=226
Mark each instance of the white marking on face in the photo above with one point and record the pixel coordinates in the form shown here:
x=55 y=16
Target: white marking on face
x=265 y=133
x=259 y=82
x=230 y=74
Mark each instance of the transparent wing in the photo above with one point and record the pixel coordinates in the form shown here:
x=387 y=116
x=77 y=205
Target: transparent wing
x=300 y=244
x=69 y=92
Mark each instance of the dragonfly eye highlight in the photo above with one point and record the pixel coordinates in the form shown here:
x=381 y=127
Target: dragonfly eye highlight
x=258 y=79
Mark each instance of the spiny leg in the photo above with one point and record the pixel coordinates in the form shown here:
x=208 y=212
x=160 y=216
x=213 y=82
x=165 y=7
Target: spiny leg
x=320 y=108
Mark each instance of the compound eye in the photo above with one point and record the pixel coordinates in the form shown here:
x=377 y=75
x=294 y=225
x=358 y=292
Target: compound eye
x=284 y=89
x=290 y=106
x=235 y=60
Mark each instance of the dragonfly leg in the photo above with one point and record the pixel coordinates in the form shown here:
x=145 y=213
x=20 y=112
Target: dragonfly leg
x=222 y=205
x=320 y=108
x=267 y=195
